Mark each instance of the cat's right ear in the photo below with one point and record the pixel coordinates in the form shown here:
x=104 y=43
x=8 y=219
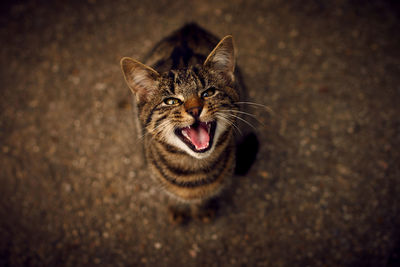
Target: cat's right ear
x=141 y=79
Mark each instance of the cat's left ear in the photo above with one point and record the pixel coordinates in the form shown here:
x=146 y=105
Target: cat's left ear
x=222 y=59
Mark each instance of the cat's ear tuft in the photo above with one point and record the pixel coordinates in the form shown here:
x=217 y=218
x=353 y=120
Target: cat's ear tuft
x=141 y=79
x=222 y=58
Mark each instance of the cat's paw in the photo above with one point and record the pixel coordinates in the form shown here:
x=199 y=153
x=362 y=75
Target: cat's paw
x=178 y=216
x=205 y=215
x=205 y=212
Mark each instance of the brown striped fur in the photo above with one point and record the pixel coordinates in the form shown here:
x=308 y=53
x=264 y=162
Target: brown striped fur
x=187 y=80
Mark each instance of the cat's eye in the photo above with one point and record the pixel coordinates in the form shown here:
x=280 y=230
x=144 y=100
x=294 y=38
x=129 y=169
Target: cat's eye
x=172 y=101
x=209 y=92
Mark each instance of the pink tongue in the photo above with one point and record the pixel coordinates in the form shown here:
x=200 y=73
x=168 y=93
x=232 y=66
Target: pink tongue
x=198 y=136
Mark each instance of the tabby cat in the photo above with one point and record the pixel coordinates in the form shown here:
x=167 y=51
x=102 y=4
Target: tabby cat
x=186 y=98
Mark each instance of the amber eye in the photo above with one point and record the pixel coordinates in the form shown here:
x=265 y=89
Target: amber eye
x=172 y=101
x=209 y=92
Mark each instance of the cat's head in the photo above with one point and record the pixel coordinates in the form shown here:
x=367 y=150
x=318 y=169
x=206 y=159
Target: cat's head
x=190 y=109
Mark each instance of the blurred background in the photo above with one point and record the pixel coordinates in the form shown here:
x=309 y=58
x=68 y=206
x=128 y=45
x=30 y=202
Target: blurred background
x=323 y=191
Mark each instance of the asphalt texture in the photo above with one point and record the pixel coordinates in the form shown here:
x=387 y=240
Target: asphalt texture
x=323 y=191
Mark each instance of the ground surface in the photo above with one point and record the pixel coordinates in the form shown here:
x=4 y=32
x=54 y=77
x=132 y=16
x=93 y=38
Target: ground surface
x=324 y=190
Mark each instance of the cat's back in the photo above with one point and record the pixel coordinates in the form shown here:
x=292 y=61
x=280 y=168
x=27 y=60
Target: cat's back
x=188 y=46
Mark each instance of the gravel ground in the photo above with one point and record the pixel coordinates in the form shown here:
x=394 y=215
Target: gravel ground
x=324 y=190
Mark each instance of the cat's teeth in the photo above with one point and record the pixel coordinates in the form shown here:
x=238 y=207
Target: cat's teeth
x=185 y=134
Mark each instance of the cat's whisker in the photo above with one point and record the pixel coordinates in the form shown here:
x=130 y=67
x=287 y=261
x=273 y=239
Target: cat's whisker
x=239 y=118
x=245 y=113
x=248 y=114
x=251 y=103
x=229 y=122
x=140 y=138
x=165 y=126
x=155 y=131
x=256 y=105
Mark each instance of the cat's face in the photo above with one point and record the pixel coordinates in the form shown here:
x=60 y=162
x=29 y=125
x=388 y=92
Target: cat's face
x=192 y=110
x=189 y=109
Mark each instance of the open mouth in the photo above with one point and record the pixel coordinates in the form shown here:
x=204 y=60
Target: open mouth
x=198 y=136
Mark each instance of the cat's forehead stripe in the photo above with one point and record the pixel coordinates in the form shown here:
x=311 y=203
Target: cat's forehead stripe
x=199 y=79
x=181 y=80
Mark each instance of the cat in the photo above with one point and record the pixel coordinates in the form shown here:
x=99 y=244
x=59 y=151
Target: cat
x=186 y=96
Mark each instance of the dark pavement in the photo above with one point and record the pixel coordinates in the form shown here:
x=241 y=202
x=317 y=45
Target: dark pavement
x=323 y=191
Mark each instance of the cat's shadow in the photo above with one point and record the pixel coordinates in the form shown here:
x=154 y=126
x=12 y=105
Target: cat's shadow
x=246 y=153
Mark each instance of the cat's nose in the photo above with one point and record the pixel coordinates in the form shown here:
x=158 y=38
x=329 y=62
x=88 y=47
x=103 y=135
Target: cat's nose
x=194 y=106
x=195 y=111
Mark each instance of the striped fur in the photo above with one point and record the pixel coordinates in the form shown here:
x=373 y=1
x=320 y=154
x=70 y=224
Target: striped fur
x=187 y=83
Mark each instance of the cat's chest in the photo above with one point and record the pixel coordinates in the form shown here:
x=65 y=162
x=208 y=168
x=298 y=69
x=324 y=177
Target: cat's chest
x=187 y=178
